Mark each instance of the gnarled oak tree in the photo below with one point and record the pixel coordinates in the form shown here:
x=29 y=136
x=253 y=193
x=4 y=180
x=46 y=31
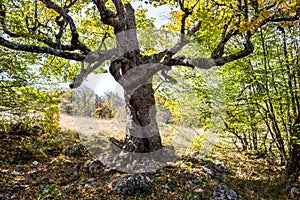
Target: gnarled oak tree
x=51 y=27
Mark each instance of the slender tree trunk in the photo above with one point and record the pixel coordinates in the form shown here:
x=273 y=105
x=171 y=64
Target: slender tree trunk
x=293 y=164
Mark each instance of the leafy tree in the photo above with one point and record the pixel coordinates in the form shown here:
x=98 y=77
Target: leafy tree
x=80 y=102
x=78 y=30
x=262 y=97
x=22 y=97
x=108 y=105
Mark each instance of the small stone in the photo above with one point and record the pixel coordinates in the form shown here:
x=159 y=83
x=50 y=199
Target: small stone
x=190 y=184
x=4 y=171
x=222 y=192
x=199 y=190
x=170 y=180
x=221 y=166
x=18 y=168
x=75 y=150
x=35 y=163
x=15 y=173
x=209 y=173
x=91 y=180
x=196 y=197
x=95 y=166
x=23 y=180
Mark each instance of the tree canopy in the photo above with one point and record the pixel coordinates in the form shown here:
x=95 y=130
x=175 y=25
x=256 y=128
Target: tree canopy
x=79 y=30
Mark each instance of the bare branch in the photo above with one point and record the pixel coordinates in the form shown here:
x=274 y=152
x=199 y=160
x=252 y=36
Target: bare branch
x=99 y=57
x=173 y=50
x=75 y=36
x=183 y=40
x=40 y=49
x=84 y=73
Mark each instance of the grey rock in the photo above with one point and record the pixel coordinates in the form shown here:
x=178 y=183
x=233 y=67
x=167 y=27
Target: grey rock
x=90 y=180
x=132 y=184
x=19 y=168
x=209 y=173
x=222 y=192
x=96 y=165
x=221 y=167
x=75 y=150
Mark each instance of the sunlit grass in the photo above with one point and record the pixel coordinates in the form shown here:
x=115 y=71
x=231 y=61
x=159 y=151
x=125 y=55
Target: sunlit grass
x=251 y=177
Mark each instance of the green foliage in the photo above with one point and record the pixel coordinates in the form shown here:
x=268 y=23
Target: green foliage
x=108 y=106
x=194 y=99
x=24 y=102
x=78 y=102
x=262 y=94
x=198 y=141
x=256 y=98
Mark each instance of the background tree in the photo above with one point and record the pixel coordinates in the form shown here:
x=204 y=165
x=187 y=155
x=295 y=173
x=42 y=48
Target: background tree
x=80 y=102
x=23 y=96
x=77 y=30
x=262 y=102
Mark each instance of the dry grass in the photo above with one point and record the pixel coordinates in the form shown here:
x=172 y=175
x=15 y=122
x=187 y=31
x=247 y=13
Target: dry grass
x=180 y=137
x=251 y=177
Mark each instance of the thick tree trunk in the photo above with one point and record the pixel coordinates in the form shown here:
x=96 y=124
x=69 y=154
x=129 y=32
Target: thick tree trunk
x=130 y=71
x=142 y=134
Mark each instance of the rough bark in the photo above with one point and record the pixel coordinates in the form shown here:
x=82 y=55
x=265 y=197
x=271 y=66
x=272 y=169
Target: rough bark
x=142 y=134
x=293 y=164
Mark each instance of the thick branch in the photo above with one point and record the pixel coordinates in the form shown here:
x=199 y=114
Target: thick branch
x=99 y=57
x=202 y=63
x=40 y=49
x=75 y=36
x=176 y=48
x=120 y=8
x=219 y=50
x=107 y=16
x=206 y=63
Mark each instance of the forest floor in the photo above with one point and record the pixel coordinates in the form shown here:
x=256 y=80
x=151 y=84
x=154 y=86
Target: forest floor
x=36 y=165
